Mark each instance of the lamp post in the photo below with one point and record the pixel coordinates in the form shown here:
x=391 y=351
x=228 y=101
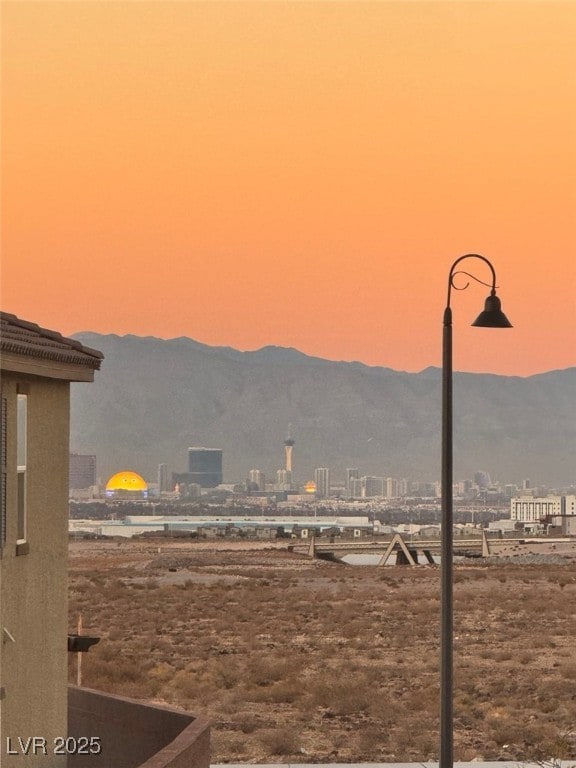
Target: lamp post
x=491 y=317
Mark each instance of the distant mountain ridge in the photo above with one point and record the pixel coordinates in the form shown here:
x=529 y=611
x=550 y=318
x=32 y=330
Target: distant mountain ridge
x=153 y=398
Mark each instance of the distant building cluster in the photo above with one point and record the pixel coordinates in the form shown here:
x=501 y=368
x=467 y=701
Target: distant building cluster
x=370 y=487
x=204 y=472
x=204 y=477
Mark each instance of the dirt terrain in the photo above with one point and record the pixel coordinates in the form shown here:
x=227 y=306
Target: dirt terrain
x=297 y=660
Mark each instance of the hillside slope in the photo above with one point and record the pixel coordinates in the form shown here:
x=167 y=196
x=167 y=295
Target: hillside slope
x=153 y=398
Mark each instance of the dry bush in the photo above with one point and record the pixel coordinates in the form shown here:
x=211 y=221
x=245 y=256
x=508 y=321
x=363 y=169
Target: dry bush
x=261 y=671
x=283 y=692
x=369 y=741
x=343 y=696
x=281 y=741
x=568 y=671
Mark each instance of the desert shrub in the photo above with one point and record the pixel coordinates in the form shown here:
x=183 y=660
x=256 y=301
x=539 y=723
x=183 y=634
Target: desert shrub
x=424 y=743
x=234 y=746
x=110 y=672
x=421 y=699
x=228 y=675
x=569 y=671
x=188 y=685
x=502 y=655
x=284 y=741
x=344 y=696
x=262 y=671
x=368 y=741
x=161 y=672
x=277 y=693
x=505 y=731
x=247 y=723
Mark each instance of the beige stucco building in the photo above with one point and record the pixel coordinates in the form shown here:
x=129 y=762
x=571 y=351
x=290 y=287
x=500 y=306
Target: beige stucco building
x=37 y=367
x=530 y=509
x=44 y=722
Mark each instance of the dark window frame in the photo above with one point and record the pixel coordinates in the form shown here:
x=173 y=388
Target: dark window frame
x=3 y=468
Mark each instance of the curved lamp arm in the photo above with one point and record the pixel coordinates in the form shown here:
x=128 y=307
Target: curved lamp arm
x=453 y=274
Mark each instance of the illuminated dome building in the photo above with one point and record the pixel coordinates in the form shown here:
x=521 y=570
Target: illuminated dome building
x=127 y=485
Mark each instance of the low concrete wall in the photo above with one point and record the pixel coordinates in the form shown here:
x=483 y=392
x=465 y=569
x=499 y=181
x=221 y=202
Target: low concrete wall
x=132 y=734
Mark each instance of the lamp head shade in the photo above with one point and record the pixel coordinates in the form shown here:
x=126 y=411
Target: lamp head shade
x=492 y=317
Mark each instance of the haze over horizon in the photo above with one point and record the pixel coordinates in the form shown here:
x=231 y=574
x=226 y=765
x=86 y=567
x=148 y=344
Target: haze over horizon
x=301 y=174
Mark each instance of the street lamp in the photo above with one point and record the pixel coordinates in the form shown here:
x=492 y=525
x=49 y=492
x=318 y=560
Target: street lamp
x=491 y=317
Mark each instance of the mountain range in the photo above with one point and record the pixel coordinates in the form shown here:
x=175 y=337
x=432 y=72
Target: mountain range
x=154 y=398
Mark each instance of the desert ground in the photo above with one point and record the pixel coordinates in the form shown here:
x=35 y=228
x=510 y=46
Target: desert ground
x=300 y=660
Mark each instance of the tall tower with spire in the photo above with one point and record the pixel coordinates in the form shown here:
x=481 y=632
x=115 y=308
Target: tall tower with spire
x=288 y=445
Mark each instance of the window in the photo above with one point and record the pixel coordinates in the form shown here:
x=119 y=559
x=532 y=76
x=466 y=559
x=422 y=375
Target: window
x=21 y=462
x=3 y=469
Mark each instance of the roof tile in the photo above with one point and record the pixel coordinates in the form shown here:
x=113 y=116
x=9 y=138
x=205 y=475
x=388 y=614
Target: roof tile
x=22 y=337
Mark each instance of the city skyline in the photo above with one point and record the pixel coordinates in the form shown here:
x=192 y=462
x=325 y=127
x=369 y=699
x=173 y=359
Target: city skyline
x=324 y=482
x=295 y=174
x=322 y=478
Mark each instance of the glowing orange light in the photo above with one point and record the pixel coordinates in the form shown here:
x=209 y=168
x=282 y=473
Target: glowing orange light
x=126 y=481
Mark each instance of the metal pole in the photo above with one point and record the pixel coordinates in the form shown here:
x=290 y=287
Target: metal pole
x=79 y=656
x=446 y=628
x=492 y=317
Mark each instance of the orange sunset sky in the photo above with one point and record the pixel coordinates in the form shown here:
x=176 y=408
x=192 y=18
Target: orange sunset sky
x=294 y=173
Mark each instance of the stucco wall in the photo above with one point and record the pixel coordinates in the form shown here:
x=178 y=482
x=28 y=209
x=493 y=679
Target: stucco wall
x=33 y=586
x=131 y=734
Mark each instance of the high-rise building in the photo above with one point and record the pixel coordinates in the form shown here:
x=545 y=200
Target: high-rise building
x=372 y=486
x=391 y=488
x=427 y=490
x=482 y=479
x=189 y=491
x=351 y=474
x=82 y=471
x=163 y=479
x=322 y=480
x=355 y=491
x=194 y=491
x=288 y=445
x=205 y=466
x=284 y=480
x=257 y=478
